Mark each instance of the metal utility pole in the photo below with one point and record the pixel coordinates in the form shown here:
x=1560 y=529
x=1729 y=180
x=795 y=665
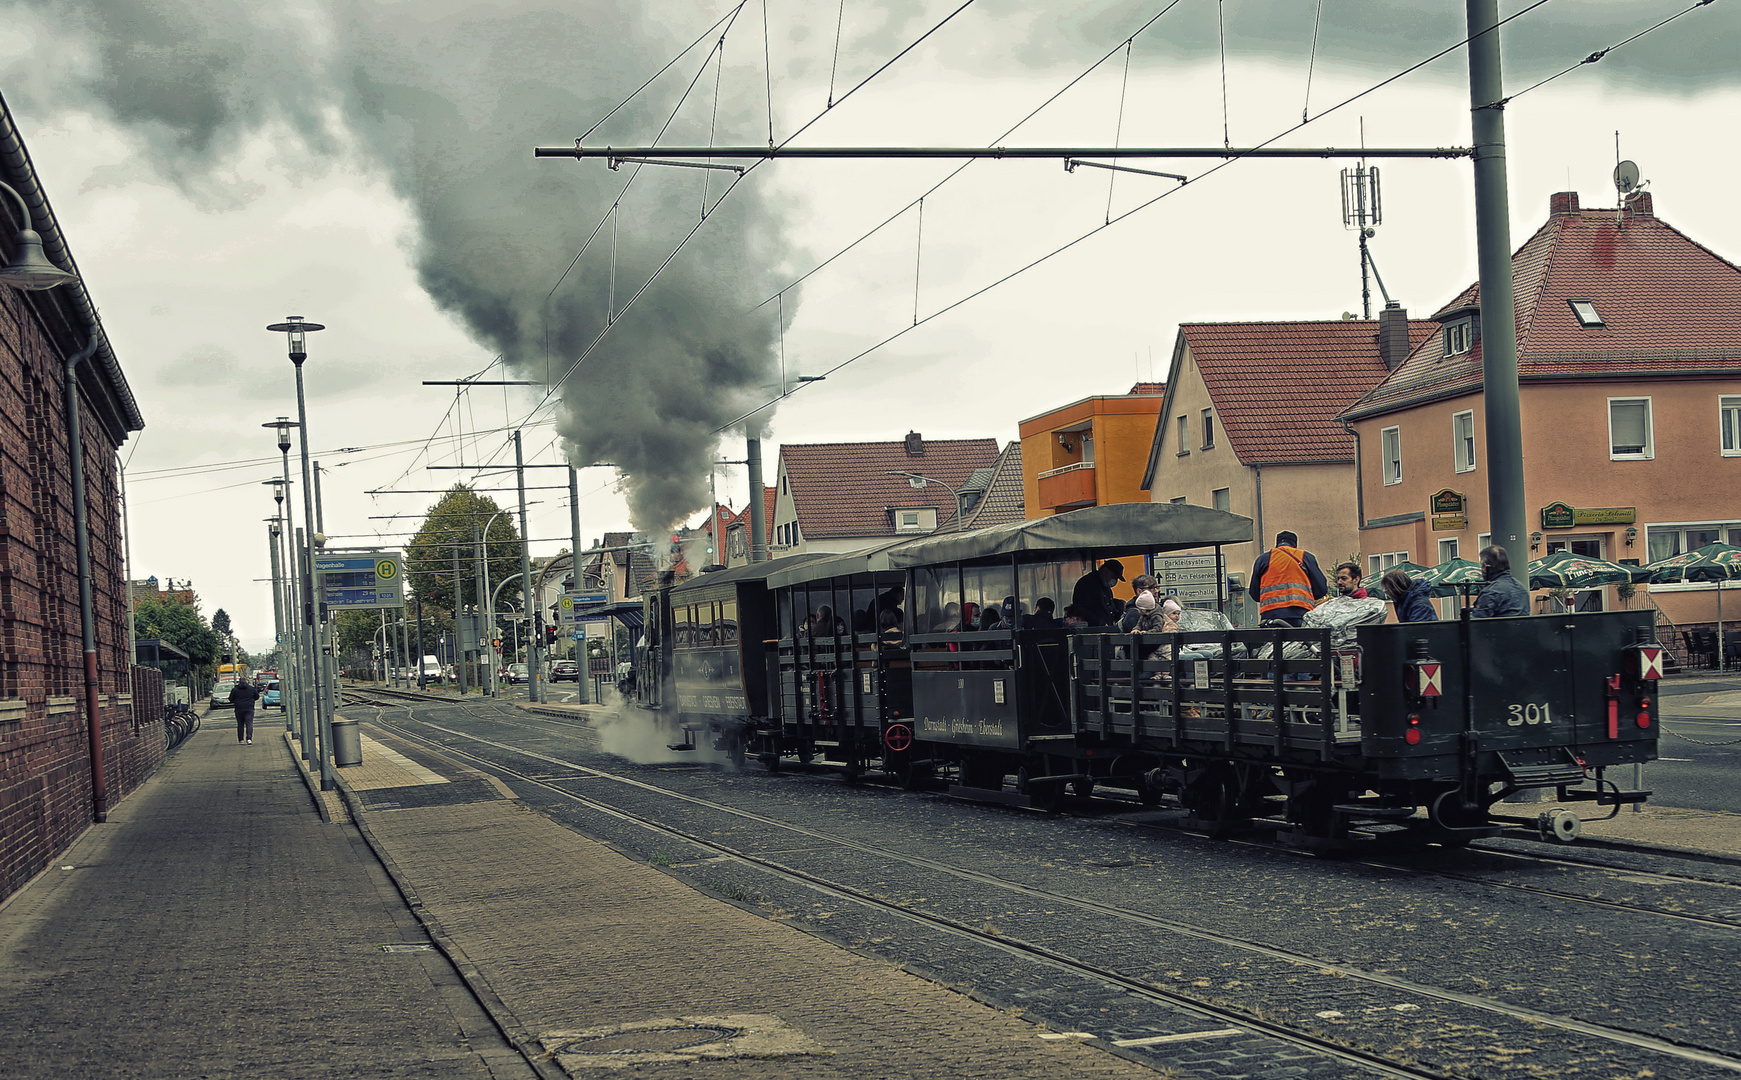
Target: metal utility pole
x=272 y=528
x=758 y=508
x=528 y=601
x=576 y=645
x=458 y=622
x=1506 y=515
x=422 y=680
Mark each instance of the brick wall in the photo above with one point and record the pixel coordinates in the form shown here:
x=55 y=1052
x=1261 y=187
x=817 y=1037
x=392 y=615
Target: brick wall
x=45 y=768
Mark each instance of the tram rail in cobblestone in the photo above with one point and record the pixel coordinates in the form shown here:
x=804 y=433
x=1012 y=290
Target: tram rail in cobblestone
x=1305 y=964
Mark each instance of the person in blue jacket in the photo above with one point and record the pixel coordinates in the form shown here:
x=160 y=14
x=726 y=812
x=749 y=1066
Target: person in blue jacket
x=1504 y=594
x=1410 y=597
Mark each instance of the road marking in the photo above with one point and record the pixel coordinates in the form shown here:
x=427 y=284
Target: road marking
x=1156 y=1040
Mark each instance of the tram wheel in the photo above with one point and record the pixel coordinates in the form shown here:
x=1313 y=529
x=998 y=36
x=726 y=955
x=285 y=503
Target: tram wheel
x=1084 y=788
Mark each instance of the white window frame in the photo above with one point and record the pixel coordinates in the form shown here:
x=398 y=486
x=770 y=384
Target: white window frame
x=1448 y=549
x=1184 y=423
x=1649 y=451
x=1208 y=429
x=1222 y=499
x=1390 y=439
x=1463 y=447
x=1376 y=565
x=1729 y=424
x=1459 y=337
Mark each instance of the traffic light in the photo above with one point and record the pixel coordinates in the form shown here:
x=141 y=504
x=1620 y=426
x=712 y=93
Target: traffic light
x=550 y=635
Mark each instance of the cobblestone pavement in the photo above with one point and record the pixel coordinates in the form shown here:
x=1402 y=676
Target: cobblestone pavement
x=1442 y=935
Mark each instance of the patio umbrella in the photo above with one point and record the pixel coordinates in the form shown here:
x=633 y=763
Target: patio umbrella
x=1565 y=570
x=1718 y=562
x=1453 y=576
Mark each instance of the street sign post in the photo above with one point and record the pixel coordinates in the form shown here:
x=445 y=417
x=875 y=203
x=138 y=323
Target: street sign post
x=361 y=579
x=574 y=601
x=1193 y=580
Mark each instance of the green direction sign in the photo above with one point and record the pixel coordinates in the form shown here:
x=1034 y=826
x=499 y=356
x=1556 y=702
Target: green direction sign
x=361 y=579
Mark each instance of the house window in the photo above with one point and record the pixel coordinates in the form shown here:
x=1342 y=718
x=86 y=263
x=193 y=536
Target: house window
x=1447 y=550
x=1585 y=311
x=1463 y=440
x=1221 y=499
x=1483 y=542
x=1729 y=409
x=1459 y=336
x=1184 y=435
x=1629 y=435
x=1208 y=428
x=1376 y=565
x=1180 y=501
x=783 y=486
x=1392 y=450
x=909 y=519
x=1676 y=538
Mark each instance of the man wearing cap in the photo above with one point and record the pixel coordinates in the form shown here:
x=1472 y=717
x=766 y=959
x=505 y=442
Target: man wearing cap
x=1092 y=597
x=1285 y=581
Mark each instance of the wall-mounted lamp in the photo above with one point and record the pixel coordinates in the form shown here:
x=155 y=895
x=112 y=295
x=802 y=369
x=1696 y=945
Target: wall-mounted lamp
x=1064 y=441
x=1631 y=534
x=1535 y=541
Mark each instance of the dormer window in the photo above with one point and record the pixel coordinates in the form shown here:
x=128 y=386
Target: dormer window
x=1459 y=336
x=1586 y=313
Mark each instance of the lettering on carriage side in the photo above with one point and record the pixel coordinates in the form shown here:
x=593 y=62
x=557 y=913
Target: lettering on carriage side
x=1532 y=713
x=934 y=727
x=990 y=727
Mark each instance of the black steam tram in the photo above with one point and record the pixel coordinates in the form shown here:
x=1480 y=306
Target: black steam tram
x=876 y=661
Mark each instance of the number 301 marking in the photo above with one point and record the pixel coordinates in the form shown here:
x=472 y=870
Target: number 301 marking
x=1528 y=714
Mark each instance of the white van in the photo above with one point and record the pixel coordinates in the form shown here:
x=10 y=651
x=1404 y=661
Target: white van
x=431 y=669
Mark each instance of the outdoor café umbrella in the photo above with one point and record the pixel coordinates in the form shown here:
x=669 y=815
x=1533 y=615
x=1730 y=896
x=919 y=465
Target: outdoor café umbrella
x=1718 y=562
x=1453 y=576
x=1565 y=570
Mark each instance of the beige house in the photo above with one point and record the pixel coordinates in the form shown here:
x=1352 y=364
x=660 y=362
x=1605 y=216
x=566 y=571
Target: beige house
x=1249 y=425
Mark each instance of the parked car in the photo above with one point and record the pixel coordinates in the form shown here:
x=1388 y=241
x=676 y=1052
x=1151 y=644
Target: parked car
x=565 y=670
x=221 y=693
x=517 y=673
x=273 y=697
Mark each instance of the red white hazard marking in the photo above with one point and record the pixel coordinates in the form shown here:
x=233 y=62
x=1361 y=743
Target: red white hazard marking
x=1650 y=662
x=1432 y=683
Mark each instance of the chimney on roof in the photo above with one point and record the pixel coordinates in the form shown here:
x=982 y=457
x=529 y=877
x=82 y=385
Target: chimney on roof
x=1638 y=205
x=915 y=445
x=1393 y=335
x=1563 y=202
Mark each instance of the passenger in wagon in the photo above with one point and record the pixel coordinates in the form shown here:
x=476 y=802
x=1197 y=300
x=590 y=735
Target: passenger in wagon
x=1409 y=596
x=1504 y=594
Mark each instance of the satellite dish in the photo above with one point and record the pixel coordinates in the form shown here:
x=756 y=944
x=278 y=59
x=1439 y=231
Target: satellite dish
x=1626 y=177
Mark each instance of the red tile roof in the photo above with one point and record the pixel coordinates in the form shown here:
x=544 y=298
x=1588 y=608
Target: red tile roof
x=1278 y=386
x=1004 y=500
x=1669 y=305
x=1147 y=389
x=843 y=489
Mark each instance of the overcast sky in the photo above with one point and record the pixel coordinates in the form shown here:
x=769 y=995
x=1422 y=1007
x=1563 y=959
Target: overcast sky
x=219 y=165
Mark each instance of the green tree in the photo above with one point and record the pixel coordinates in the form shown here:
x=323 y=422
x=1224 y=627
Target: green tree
x=221 y=623
x=181 y=626
x=454 y=521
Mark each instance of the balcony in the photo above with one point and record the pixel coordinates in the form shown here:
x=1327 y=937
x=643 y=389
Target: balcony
x=1068 y=488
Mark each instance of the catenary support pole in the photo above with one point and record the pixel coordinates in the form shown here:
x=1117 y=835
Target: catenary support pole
x=758 y=504
x=1505 y=495
x=528 y=602
x=576 y=646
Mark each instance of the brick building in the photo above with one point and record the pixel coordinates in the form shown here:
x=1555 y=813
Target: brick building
x=48 y=770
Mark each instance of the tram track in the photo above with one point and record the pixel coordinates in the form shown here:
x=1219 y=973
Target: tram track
x=1035 y=951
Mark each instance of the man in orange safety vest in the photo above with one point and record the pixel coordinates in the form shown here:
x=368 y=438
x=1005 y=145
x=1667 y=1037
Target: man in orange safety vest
x=1285 y=581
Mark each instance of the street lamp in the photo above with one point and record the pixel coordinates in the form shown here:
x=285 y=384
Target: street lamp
x=295 y=579
x=296 y=332
x=917 y=482
x=284 y=608
x=30 y=269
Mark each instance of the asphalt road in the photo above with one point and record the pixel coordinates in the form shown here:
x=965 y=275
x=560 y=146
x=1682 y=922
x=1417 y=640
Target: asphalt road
x=1700 y=748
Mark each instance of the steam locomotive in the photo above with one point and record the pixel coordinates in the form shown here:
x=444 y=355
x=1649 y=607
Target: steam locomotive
x=1374 y=734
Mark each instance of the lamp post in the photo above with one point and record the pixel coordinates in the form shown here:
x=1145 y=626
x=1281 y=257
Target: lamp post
x=284 y=606
x=296 y=573
x=918 y=482
x=296 y=332
x=31 y=271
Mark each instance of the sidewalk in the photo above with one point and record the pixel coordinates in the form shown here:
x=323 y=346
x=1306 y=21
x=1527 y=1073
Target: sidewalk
x=216 y=927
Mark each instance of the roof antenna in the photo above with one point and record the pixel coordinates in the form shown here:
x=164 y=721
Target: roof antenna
x=1628 y=187
x=1361 y=211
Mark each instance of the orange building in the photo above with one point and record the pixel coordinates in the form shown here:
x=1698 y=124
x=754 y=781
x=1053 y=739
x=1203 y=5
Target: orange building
x=1090 y=452
x=1629 y=371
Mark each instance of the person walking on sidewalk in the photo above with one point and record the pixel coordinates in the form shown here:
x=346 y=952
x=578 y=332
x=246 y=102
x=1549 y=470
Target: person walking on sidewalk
x=243 y=697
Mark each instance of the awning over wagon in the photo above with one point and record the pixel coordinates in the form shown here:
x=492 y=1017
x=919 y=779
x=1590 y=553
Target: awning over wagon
x=1098 y=531
x=863 y=561
x=627 y=612
x=750 y=571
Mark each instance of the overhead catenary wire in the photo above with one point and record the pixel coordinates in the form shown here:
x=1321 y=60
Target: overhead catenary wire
x=1132 y=212
x=1312 y=61
x=1596 y=56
